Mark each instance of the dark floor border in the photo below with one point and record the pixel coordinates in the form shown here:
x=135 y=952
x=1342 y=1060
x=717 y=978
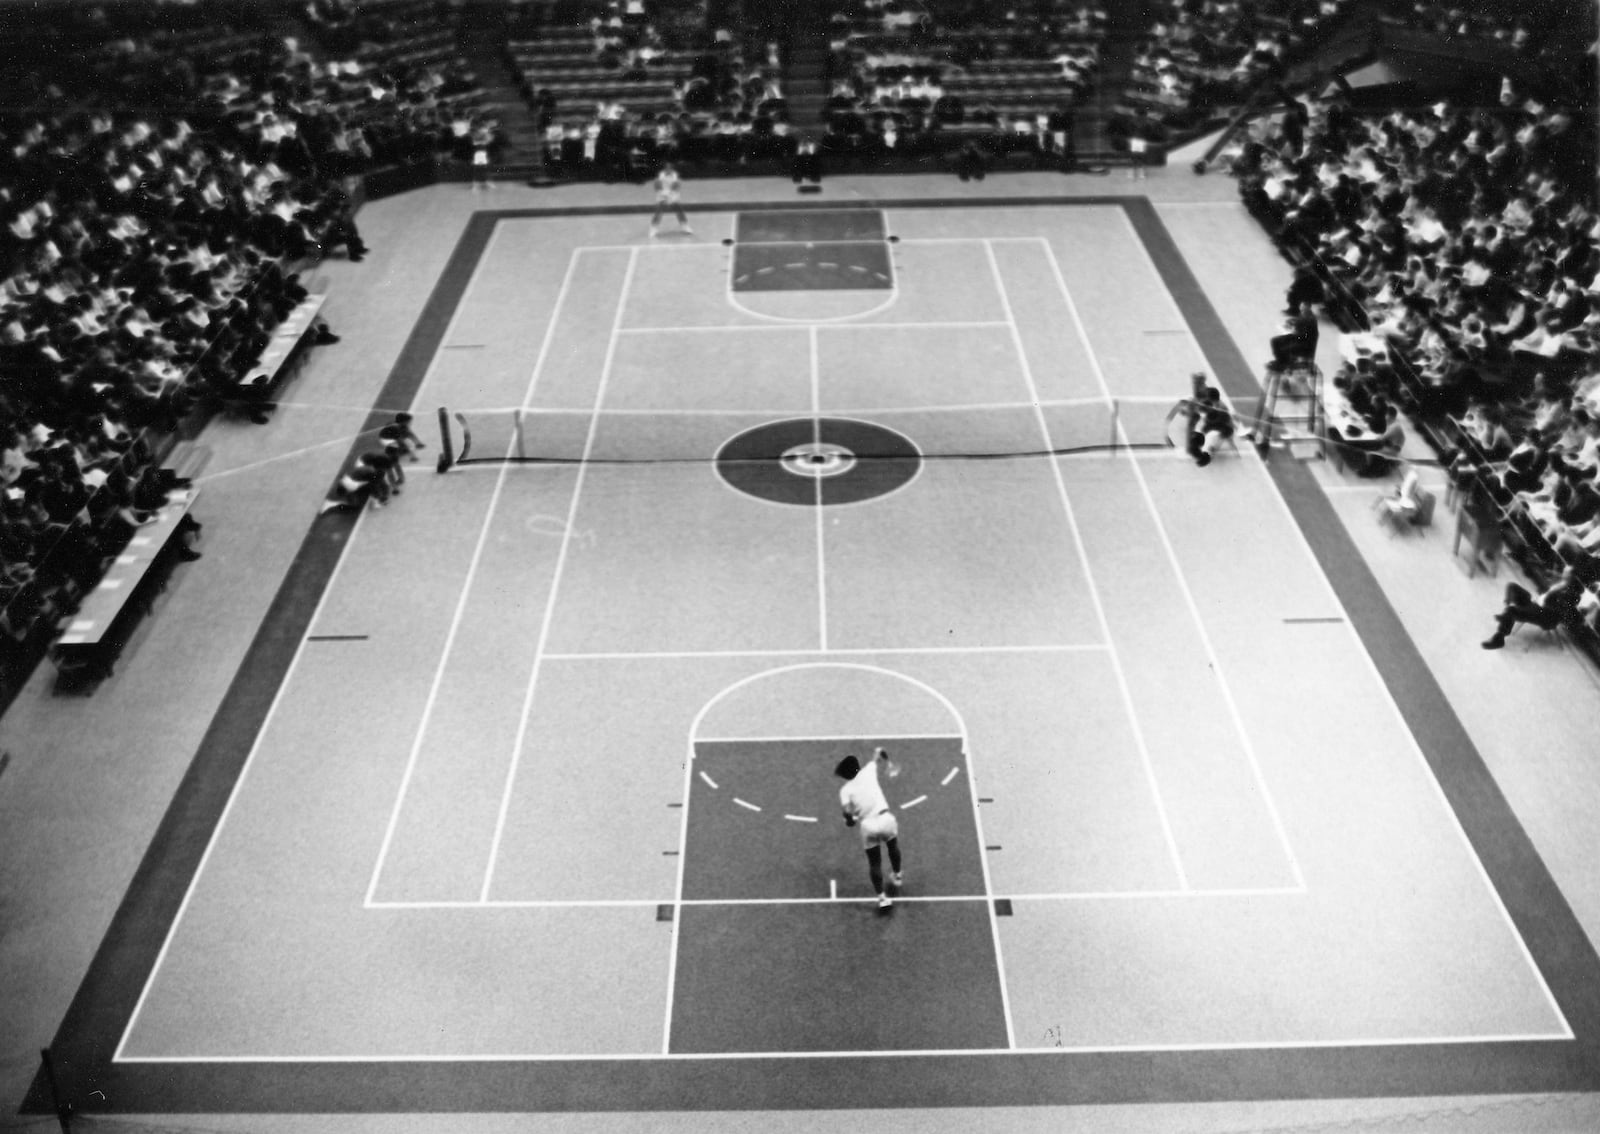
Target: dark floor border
x=105 y=1000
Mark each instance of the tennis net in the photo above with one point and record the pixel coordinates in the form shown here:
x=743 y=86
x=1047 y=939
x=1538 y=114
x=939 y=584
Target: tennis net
x=493 y=436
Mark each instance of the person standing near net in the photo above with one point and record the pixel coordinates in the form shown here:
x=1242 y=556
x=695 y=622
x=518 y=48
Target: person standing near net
x=864 y=806
x=669 y=187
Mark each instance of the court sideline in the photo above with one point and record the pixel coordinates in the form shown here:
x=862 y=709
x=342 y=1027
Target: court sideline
x=75 y=819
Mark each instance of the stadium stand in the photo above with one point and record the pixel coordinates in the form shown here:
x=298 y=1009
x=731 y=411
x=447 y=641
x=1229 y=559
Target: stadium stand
x=1461 y=242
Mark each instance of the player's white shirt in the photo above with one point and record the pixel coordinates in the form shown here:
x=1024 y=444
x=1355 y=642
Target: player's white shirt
x=862 y=798
x=667 y=188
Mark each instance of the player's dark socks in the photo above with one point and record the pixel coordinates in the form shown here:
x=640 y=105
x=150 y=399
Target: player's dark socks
x=894 y=856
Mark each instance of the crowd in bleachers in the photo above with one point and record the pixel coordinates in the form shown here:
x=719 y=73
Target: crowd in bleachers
x=1465 y=243
x=148 y=254
x=1205 y=56
x=630 y=83
x=905 y=76
x=1453 y=22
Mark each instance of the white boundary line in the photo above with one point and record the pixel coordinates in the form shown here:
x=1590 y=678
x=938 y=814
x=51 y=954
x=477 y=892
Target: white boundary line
x=461 y=601
x=1416 y=749
x=712 y=328
x=1371 y=664
x=977 y=821
x=892 y=298
x=838 y=651
x=555 y=580
x=1100 y=1049
x=233 y=796
x=855 y=739
x=277 y=698
x=119 y=1057
x=1177 y=572
x=1094 y=590
x=816 y=437
x=677 y=893
x=646 y=903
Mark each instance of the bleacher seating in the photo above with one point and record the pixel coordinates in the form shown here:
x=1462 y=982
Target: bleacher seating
x=1463 y=240
x=145 y=284
x=1201 y=62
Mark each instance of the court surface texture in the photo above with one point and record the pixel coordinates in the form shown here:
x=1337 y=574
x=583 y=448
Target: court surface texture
x=522 y=800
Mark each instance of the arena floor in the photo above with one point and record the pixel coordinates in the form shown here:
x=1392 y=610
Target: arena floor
x=515 y=795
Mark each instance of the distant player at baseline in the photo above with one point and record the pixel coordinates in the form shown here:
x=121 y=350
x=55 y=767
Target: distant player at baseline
x=865 y=806
x=668 y=190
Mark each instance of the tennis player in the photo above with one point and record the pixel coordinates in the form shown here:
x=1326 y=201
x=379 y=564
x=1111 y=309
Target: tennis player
x=864 y=806
x=668 y=189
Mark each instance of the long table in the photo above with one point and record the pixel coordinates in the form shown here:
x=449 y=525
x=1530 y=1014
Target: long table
x=93 y=636
x=285 y=351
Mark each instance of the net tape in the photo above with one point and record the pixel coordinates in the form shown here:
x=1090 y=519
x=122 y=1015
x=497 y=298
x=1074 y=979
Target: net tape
x=1059 y=428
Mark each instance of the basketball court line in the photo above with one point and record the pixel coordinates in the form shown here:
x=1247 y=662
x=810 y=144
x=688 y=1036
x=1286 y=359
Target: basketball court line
x=1228 y=1046
x=233 y=795
x=988 y=896
x=1361 y=649
x=467 y=1059
x=816 y=438
x=959 y=324
x=891 y=297
x=838 y=651
x=1094 y=591
x=1172 y=559
x=555 y=582
x=870 y=1053
x=824 y=651
x=988 y=882
x=677 y=893
x=466 y=585
x=266 y=722
x=650 y=903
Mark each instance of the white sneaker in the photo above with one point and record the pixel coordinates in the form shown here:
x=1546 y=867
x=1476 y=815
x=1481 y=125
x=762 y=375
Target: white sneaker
x=654 y=232
x=885 y=901
x=687 y=229
x=896 y=880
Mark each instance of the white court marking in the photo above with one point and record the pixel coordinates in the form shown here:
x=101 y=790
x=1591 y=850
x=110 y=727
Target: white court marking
x=977 y=819
x=1094 y=590
x=1368 y=661
x=1177 y=569
x=1181 y=894
x=555 y=582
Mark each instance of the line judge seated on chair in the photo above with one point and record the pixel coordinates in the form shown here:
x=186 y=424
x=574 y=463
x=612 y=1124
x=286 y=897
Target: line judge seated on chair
x=1211 y=424
x=1298 y=342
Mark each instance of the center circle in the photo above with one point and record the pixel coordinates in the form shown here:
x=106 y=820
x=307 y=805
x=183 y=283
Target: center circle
x=811 y=461
x=817 y=459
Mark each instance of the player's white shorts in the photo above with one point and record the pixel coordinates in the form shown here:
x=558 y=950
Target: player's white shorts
x=879 y=829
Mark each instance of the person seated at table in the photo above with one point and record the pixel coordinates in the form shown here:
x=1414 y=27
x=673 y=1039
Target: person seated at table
x=1557 y=606
x=1526 y=464
x=1376 y=453
x=1482 y=424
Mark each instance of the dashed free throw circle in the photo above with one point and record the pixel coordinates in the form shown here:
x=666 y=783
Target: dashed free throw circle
x=829 y=460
